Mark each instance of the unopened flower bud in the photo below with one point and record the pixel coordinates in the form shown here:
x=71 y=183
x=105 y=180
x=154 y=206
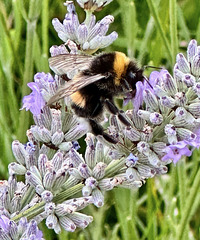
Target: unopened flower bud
x=189 y=80
x=191 y=50
x=57 y=137
x=150 y=99
x=86 y=191
x=195 y=64
x=98 y=197
x=19 y=151
x=15 y=168
x=132 y=134
x=67 y=224
x=84 y=170
x=144 y=148
x=47 y=196
x=51 y=221
x=92 y=182
x=99 y=170
x=131 y=160
x=169 y=84
x=183 y=64
x=144 y=114
x=168 y=102
x=156 y=118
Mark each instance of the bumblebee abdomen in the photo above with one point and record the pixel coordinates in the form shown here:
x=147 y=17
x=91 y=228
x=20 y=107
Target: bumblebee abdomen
x=87 y=102
x=78 y=99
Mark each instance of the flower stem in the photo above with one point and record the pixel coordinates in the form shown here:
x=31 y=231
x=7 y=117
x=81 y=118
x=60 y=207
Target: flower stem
x=188 y=206
x=45 y=23
x=182 y=183
x=114 y=167
x=87 y=17
x=33 y=14
x=68 y=193
x=173 y=28
x=39 y=207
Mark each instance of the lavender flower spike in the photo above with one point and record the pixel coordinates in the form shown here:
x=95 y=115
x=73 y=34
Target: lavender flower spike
x=42 y=88
x=87 y=36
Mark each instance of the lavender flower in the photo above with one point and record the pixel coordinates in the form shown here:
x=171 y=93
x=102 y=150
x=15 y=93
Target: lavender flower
x=171 y=104
x=23 y=230
x=43 y=87
x=87 y=36
x=176 y=151
x=34 y=102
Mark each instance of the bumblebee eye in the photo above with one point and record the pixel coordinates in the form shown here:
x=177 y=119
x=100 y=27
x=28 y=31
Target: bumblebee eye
x=131 y=75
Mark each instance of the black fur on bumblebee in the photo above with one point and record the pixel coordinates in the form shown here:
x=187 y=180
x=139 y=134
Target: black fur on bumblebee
x=97 y=81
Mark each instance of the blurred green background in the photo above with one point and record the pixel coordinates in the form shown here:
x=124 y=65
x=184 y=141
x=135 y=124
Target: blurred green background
x=153 y=32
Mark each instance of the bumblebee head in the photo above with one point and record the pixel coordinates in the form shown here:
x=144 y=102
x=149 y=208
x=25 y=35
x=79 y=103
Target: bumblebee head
x=133 y=75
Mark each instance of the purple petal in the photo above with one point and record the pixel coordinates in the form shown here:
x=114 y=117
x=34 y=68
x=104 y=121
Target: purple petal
x=137 y=102
x=155 y=77
x=34 y=101
x=4 y=223
x=176 y=151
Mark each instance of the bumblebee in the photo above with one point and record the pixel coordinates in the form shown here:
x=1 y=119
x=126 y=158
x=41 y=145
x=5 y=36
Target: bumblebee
x=97 y=80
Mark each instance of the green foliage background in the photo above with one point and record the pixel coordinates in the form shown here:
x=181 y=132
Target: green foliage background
x=153 y=32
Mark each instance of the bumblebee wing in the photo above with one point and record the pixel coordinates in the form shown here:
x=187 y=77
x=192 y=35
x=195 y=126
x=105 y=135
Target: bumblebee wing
x=67 y=63
x=80 y=81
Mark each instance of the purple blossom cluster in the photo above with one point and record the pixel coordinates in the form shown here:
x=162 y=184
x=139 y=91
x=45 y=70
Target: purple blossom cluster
x=88 y=36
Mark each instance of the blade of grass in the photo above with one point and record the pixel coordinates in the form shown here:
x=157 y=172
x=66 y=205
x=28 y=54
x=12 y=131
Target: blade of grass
x=182 y=25
x=129 y=25
x=181 y=172
x=173 y=29
x=154 y=12
x=33 y=14
x=45 y=24
x=7 y=58
x=16 y=38
x=194 y=190
x=126 y=212
x=151 y=211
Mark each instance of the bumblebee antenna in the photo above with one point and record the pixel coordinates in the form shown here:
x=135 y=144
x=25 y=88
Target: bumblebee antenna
x=148 y=66
x=147 y=80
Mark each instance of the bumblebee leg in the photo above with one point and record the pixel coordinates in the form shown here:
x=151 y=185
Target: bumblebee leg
x=98 y=130
x=114 y=110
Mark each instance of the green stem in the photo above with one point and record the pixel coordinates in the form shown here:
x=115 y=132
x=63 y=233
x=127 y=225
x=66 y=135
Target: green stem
x=33 y=14
x=24 y=118
x=87 y=17
x=173 y=28
x=31 y=212
x=45 y=23
x=181 y=183
x=114 y=167
x=68 y=193
x=39 y=207
x=188 y=206
x=154 y=13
